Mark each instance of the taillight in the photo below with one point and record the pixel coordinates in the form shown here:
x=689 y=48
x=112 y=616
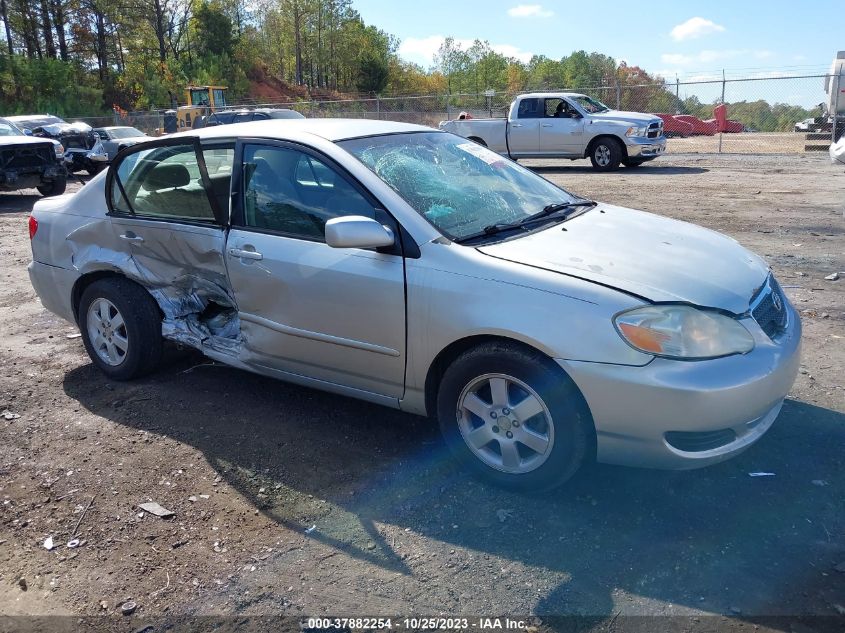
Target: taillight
x=33 y=227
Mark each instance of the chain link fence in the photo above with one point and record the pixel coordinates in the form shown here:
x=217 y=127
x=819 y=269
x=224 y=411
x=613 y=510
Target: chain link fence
x=762 y=114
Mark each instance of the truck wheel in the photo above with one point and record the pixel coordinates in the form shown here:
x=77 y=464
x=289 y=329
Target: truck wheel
x=121 y=328
x=606 y=154
x=96 y=168
x=55 y=188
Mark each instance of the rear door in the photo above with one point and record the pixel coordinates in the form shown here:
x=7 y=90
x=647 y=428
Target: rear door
x=331 y=314
x=524 y=131
x=169 y=205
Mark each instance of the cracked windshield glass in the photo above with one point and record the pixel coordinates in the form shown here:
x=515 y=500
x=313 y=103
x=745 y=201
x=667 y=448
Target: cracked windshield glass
x=459 y=186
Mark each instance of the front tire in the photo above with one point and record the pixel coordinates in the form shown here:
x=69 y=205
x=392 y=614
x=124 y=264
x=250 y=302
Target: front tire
x=55 y=188
x=606 y=154
x=511 y=415
x=121 y=328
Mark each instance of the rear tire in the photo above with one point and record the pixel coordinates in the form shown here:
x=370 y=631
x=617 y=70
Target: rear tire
x=606 y=154
x=121 y=328
x=511 y=415
x=96 y=168
x=55 y=188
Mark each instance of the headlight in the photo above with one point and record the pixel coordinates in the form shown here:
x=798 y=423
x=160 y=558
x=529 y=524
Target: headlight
x=60 y=150
x=681 y=331
x=637 y=131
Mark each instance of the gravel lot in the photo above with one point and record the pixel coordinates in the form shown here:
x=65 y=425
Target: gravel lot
x=248 y=465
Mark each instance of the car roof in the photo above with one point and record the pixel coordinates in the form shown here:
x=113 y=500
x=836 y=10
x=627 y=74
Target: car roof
x=550 y=95
x=328 y=129
x=116 y=127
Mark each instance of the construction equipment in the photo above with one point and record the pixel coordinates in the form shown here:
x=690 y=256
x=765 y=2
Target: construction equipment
x=201 y=101
x=830 y=126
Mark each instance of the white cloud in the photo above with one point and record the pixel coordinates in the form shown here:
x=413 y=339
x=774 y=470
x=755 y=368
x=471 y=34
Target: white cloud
x=695 y=28
x=529 y=11
x=512 y=51
x=422 y=50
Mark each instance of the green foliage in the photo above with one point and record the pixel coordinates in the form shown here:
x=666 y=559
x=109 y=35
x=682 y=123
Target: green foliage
x=141 y=54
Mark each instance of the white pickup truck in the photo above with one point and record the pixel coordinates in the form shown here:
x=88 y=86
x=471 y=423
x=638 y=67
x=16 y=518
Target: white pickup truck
x=567 y=125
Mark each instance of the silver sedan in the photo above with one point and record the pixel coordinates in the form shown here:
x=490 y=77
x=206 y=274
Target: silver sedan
x=415 y=269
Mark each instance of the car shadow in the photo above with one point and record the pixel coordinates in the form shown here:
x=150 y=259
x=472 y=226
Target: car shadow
x=714 y=539
x=643 y=170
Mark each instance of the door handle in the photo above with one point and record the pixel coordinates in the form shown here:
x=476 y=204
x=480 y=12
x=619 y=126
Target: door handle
x=242 y=254
x=547 y=125
x=129 y=236
x=516 y=124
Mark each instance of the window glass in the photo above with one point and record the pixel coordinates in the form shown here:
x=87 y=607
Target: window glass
x=294 y=193
x=242 y=117
x=555 y=107
x=590 y=105
x=164 y=182
x=530 y=109
x=457 y=185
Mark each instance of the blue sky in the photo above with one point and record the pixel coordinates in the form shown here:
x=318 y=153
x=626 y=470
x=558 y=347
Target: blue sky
x=693 y=40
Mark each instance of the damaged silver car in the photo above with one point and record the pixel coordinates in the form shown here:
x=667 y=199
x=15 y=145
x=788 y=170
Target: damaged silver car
x=415 y=269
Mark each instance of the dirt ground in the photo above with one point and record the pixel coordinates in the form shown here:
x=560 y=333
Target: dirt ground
x=289 y=501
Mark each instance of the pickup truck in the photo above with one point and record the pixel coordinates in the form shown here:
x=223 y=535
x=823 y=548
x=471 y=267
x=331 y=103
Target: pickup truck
x=30 y=162
x=567 y=125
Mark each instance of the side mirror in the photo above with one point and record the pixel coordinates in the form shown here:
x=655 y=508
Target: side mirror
x=27 y=131
x=357 y=231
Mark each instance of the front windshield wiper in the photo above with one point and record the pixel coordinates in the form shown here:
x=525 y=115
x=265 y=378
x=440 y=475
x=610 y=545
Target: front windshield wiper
x=548 y=210
x=490 y=229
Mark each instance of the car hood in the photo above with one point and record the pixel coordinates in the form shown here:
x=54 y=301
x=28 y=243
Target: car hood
x=25 y=140
x=648 y=255
x=628 y=117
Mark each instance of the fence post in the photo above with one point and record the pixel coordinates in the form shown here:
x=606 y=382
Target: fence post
x=677 y=95
x=723 y=103
x=834 y=102
x=378 y=107
x=618 y=95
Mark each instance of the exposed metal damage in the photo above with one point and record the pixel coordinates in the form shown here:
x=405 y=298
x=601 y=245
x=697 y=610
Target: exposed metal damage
x=197 y=311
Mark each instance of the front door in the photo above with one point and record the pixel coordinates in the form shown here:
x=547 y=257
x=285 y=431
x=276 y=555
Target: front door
x=335 y=315
x=562 y=129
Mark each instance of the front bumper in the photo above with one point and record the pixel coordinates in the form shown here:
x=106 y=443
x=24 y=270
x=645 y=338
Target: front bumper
x=634 y=408
x=639 y=147
x=85 y=158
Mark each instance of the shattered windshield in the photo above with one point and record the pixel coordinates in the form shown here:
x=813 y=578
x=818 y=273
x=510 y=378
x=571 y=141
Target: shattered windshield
x=588 y=104
x=456 y=184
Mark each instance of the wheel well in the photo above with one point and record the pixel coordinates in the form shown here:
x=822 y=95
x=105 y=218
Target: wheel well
x=593 y=142
x=86 y=280
x=449 y=354
x=455 y=349
x=477 y=139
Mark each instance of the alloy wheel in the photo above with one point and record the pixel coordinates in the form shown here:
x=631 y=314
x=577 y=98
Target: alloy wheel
x=107 y=332
x=505 y=423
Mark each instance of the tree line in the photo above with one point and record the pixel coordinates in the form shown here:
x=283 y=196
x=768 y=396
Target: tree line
x=83 y=57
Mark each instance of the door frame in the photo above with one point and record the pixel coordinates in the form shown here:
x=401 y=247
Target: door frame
x=221 y=218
